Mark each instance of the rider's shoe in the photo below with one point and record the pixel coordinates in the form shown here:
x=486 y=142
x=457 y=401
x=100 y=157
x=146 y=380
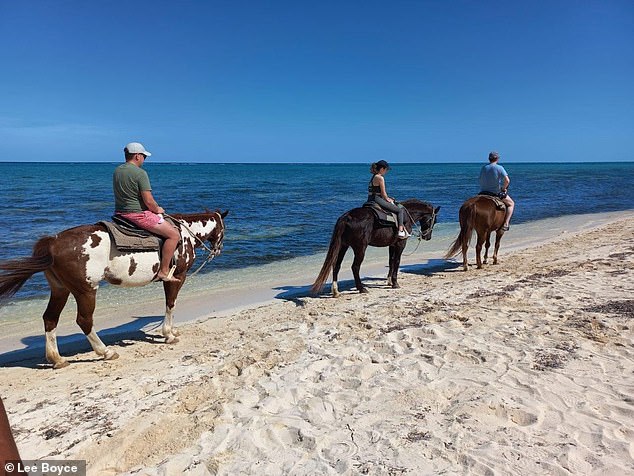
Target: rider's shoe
x=403 y=234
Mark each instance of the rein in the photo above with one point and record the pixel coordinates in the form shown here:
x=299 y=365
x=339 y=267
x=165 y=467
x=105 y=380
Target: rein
x=193 y=235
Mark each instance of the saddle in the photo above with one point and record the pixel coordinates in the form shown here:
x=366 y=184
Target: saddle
x=383 y=217
x=126 y=236
x=499 y=204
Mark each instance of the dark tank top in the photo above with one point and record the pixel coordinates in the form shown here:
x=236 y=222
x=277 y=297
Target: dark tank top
x=373 y=189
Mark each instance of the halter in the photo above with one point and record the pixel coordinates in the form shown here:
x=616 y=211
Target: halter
x=211 y=255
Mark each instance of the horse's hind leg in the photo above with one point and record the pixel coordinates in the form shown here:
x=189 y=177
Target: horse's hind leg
x=498 y=237
x=465 y=247
x=56 y=302
x=85 y=309
x=359 y=254
x=336 y=268
x=479 y=250
x=487 y=245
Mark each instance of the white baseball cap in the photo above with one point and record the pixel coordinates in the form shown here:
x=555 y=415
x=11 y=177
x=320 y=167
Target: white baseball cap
x=136 y=148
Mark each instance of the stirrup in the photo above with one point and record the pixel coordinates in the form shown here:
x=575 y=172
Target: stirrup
x=170 y=274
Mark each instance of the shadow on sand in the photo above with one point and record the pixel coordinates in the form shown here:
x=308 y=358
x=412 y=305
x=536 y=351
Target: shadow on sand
x=430 y=268
x=33 y=355
x=294 y=293
x=433 y=266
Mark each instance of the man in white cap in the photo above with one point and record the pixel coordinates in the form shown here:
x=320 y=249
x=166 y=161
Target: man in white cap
x=495 y=181
x=134 y=202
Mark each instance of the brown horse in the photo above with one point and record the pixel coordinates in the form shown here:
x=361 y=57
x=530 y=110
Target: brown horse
x=76 y=260
x=481 y=214
x=357 y=229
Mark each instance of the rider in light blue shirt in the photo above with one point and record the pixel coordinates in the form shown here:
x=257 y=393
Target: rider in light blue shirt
x=495 y=181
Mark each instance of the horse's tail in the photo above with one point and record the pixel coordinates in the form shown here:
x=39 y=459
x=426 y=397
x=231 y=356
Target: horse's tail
x=467 y=219
x=14 y=273
x=331 y=256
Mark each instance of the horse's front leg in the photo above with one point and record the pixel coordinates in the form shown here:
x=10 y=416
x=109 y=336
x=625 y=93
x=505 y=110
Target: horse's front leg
x=390 y=261
x=171 y=289
x=359 y=254
x=85 y=310
x=396 y=262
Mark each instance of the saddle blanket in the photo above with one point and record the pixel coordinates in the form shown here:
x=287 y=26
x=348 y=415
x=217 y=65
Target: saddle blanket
x=499 y=204
x=383 y=217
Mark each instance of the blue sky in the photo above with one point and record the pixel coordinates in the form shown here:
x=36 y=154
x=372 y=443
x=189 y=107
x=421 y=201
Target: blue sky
x=328 y=81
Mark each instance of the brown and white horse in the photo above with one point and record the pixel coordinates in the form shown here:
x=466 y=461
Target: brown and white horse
x=76 y=260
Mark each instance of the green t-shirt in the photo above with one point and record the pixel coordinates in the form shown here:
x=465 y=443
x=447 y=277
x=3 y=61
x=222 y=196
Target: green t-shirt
x=128 y=181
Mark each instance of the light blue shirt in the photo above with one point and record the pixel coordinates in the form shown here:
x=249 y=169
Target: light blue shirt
x=491 y=178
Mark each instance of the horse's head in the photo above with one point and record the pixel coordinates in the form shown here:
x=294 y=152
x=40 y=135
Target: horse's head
x=424 y=213
x=203 y=228
x=217 y=235
x=427 y=223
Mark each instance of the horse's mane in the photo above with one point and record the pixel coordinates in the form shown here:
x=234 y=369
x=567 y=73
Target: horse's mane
x=195 y=216
x=416 y=202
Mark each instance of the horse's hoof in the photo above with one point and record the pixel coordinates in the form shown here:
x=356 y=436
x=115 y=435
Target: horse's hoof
x=484 y=262
x=61 y=364
x=175 y=331
x=364 y=291
x=171 y=340
x=396 y=286
x=465 y=268
x=479 y=267
x=110 y=355
x=336 y=295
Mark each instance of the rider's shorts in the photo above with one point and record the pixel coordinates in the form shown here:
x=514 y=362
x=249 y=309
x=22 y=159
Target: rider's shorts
x=145 y=220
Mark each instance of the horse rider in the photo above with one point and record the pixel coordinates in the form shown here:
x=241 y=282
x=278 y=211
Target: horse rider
x=377 y=194
x=135 y=203
x=495 y=181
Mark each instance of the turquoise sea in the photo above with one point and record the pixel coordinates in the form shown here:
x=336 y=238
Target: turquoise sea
x=283 y=211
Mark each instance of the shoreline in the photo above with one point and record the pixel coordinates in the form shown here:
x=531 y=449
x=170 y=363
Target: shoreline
x=24 y=341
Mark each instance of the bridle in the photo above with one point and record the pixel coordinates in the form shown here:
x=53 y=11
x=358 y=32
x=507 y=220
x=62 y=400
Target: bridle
x=420 y=235
x=212 y=252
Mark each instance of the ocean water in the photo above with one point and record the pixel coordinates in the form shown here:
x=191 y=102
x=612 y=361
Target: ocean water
x=283 y=212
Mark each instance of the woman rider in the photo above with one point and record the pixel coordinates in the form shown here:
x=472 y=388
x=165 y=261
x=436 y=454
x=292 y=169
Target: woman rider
x=377 y=194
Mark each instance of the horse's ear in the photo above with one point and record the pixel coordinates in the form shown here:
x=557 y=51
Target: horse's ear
x=224 y=214
x=436 y=210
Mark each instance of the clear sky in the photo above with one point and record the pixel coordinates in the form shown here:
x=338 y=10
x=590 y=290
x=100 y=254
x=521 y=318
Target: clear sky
x=317 y=81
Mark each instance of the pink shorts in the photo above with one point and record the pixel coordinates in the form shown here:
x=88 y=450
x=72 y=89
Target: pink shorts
x=145 y=220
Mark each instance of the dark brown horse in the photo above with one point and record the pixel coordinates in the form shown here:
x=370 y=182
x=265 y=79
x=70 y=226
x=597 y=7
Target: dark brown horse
x=481 y=214
x=357 y=229
x=76 y=260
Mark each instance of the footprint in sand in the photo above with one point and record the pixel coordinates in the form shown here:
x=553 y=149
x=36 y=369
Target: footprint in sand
x=516 y=415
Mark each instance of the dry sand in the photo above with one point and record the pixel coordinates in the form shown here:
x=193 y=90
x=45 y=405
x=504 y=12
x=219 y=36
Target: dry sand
x=522 y=368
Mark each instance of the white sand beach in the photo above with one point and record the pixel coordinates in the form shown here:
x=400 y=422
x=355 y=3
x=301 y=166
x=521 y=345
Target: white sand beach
x=522 y=368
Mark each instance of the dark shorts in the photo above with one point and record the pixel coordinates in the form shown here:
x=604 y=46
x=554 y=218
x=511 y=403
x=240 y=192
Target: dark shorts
x=500 y=195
